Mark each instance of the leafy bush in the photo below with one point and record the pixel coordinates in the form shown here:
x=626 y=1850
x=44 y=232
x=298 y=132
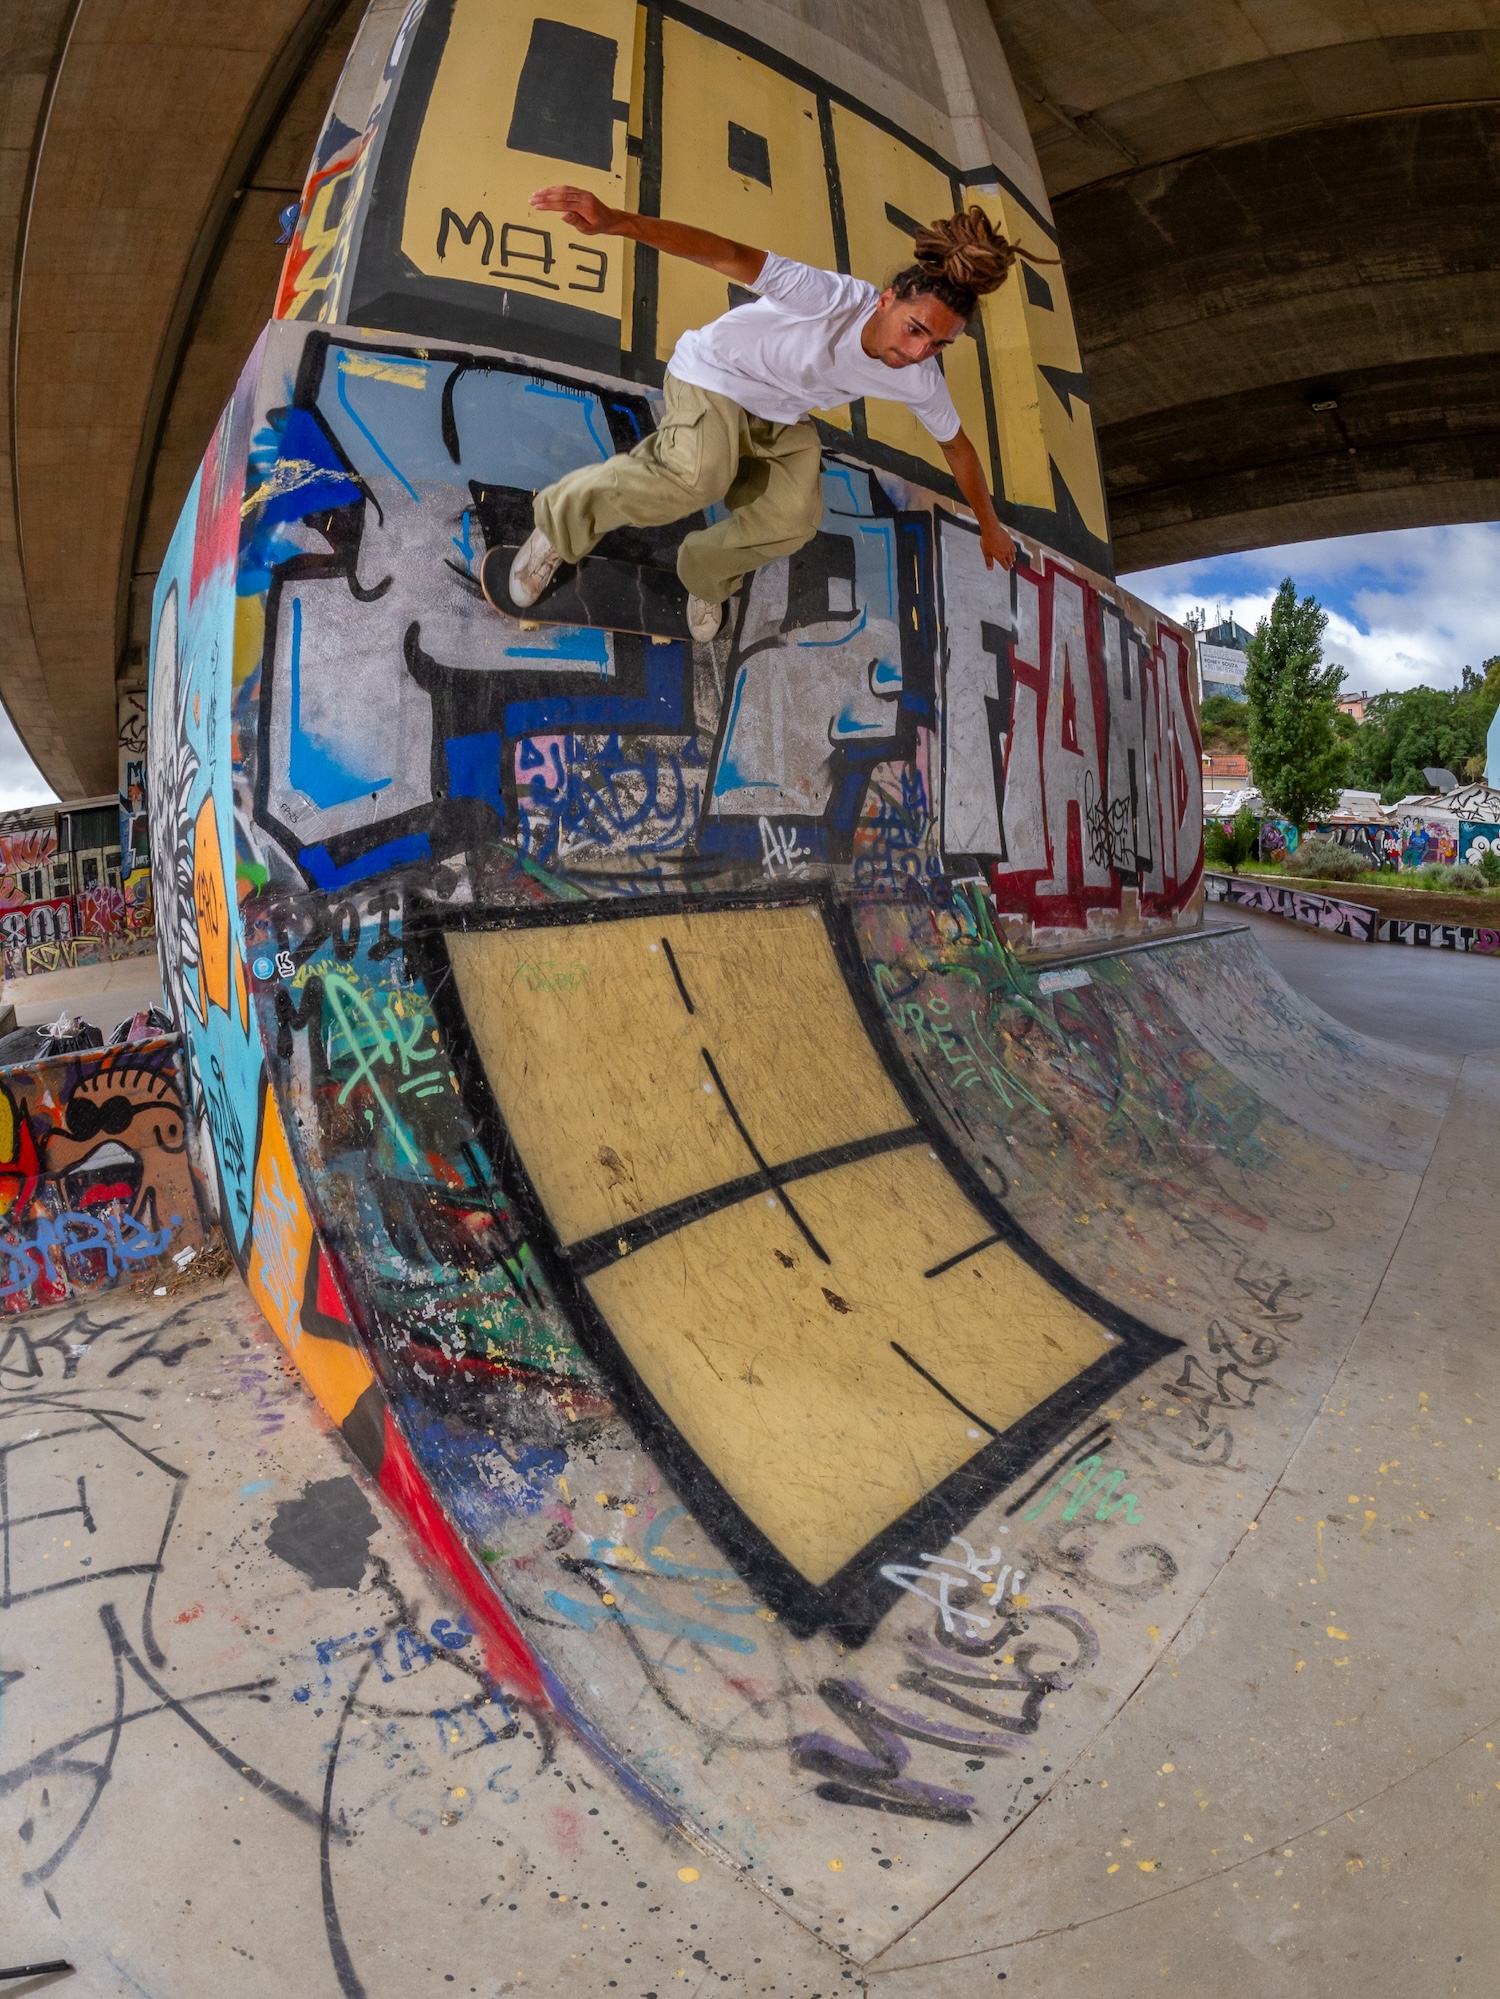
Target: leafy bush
x=1327 y=861
x=1447 y=875
x=1231 y=846
x=1489 y=866
x=1225 y=723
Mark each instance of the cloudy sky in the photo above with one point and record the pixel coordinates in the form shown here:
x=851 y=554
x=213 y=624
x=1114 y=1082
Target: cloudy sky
x=21 y=783
x=1411 y=606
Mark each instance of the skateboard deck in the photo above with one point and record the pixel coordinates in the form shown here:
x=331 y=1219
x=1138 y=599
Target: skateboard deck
x=601 y=590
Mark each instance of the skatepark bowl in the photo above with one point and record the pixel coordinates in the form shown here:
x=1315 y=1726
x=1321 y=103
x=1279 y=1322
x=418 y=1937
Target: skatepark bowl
x=825 y=1390
x=1206 y=1692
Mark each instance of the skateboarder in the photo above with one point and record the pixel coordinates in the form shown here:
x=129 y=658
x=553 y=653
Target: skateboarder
x=738 y=392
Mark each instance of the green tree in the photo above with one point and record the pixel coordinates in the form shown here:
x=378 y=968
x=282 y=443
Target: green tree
x=1420 y=727
x=1297 y=753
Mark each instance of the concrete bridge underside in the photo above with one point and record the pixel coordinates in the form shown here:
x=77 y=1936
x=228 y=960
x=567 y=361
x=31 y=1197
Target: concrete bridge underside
x=1277 y=220
x=1279 y=224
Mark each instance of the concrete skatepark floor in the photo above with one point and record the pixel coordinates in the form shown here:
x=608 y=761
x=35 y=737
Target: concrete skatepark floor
x=103 y=994
x=244 y=1745
x=1444 y=1002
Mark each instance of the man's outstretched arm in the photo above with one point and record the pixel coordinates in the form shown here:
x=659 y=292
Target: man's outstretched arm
x=587 y=214
x=963 y=463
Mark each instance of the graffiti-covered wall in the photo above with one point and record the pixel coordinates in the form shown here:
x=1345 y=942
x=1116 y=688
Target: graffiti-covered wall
x=75 y=878
x=137 y=916
x=94 y=1183
x=559 y=1073
x=417 y=217
x=1412 y=839
x=884 y=706
x=29 y=870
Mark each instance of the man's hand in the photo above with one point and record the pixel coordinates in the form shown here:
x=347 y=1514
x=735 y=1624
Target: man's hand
x=592 y=217
x=583 y=211
x=996 y=545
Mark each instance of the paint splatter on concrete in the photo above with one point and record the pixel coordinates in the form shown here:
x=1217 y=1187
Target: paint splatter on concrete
x=325 y=1534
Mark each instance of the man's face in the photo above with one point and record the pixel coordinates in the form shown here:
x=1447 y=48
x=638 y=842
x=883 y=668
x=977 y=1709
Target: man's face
x=903 y=331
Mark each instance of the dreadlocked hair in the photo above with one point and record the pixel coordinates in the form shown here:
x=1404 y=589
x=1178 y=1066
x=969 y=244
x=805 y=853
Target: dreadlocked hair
x=959 y=259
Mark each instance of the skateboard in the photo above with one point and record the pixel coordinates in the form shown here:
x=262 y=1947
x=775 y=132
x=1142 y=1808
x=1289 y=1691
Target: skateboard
x=602 y=590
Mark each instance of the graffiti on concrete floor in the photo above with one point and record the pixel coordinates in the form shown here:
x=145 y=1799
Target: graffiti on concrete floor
x=92 y=1506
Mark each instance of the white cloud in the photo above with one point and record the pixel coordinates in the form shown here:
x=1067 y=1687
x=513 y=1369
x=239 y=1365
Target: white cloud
x=1408 y=606
x=21 y=783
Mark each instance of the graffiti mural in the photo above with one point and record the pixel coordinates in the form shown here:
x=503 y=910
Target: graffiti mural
x=49 y=922
x=94 y=1184
x=1072 y=760
x=1376 y=845
x=101 y=911
x=66 y=904
x=1476 y=839
x=374 y=491
x=27 y=862
x=1323 y=912
x=135 y=913
x=1349 y=919
x=1407 y=840
x=1426 y=840
x=1483 y=942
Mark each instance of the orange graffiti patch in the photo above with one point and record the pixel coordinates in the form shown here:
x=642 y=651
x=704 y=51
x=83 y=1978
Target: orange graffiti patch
x=281 y=1248
x=212 y=905
x=281 y=1233
x=241 y=991
x=188 y=1616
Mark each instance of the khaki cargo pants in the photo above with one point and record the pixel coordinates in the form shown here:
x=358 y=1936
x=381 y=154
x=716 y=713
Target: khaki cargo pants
x=707 y=449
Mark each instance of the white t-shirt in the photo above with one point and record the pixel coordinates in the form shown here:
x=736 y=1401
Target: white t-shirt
x=796 y=348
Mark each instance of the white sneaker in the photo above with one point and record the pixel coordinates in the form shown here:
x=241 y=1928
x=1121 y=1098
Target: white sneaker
x=704 y=619
x=536 y=563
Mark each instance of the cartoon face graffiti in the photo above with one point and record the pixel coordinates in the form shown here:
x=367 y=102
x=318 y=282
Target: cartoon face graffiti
x=95 y=1152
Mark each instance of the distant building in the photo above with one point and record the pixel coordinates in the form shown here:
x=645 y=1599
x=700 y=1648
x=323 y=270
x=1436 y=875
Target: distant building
x=1229 y=632
x=1221 y=659
x=52 y=851
x=1354 y=704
